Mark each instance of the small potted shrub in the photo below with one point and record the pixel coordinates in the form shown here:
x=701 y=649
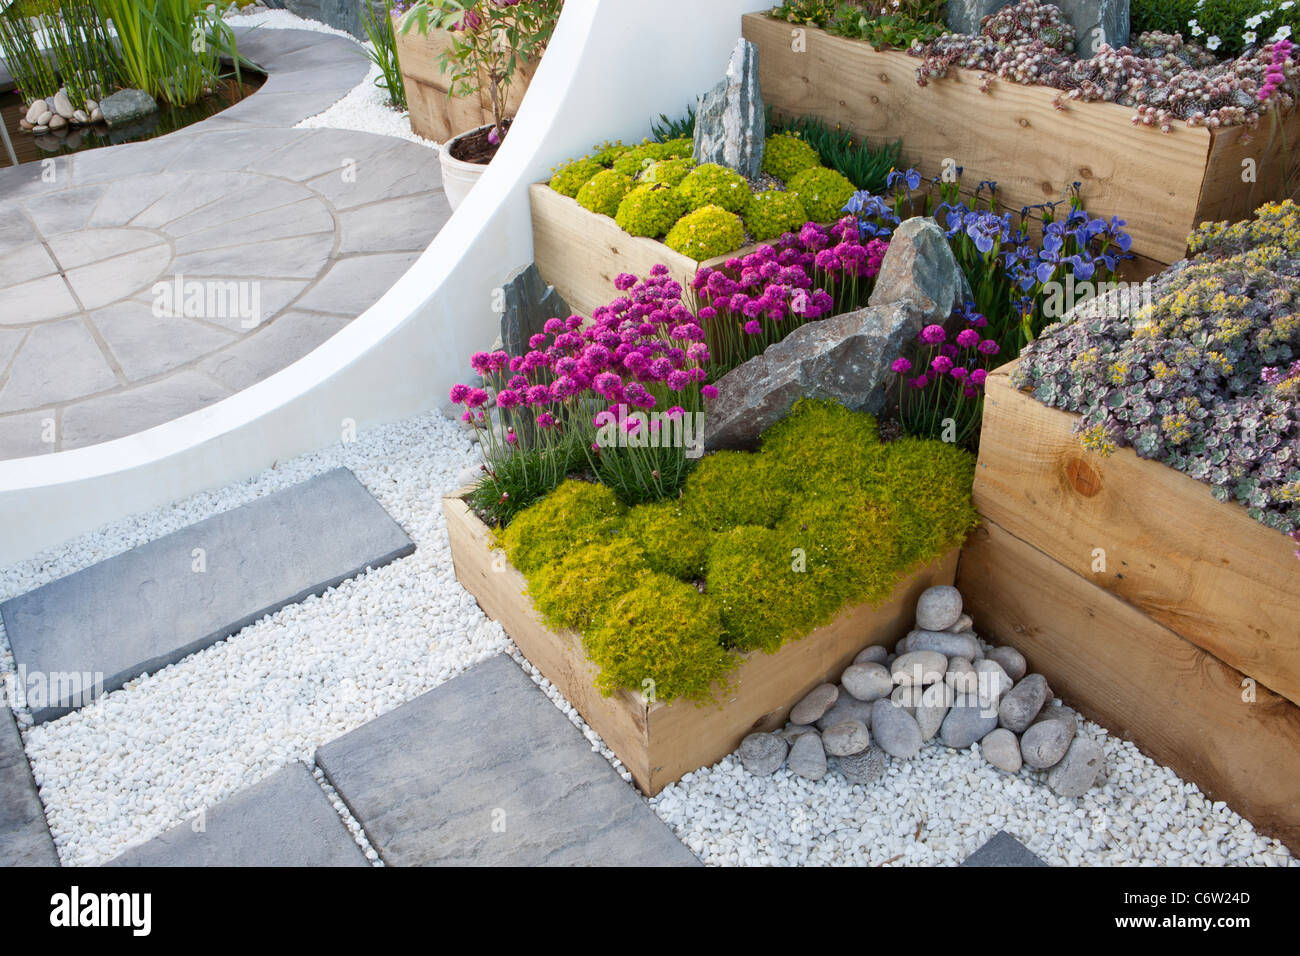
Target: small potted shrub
x=490 y=39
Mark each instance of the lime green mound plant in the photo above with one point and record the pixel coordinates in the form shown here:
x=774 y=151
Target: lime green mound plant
x=772 y=212
x=714 y=185
x=763 y=598
x=732 y=488
x=660 y=639
x=928 y=483
x=650 y=209
x=575 y=514
x=822 y=191
x=670 y=541
x=818 y=445
x=705 y=233
x=671 y=172
x=608 y=152
x=785 y=155
x=636 y=158
x=575 y=590
x=604 y=192
x=573 y=175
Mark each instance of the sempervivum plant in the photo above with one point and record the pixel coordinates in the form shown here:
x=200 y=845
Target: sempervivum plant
x=1162 y=78
x=1202 y=379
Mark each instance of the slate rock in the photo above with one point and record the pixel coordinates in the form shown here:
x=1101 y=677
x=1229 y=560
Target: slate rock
x=1020 y=705
x=920 y=268
x=938 y=608
x=527 y=302
x=867 y=682
x=1002 y=750
x=968 y=722
x=875 y=654
x=1010 y=660
x=1074 y=775
x=945 y=643
x=730 y=122
x=894 y=730
x=846 y=738
x=846 y=707
x=1096 y=22
x=815 y=703
x=864 y=768
x=845 y=358
x=1046 y=741
x=341 y=14
x=964 y=16
x=807 y=758
x=762 y=754
x=127 y=106
x=919 y=668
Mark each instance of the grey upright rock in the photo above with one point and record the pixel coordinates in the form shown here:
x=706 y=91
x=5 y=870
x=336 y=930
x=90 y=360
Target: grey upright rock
x=964 y=16
x=938 y=608
x=731 y=124
x=1096 y=22
x=527 y=302
x=1074 y=775
x=920 y=267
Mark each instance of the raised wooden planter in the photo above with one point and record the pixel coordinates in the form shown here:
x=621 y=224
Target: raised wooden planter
x=1197 y=609
x=659 y=743
x=1162 y=184
x=434 y=113
x=581 y=252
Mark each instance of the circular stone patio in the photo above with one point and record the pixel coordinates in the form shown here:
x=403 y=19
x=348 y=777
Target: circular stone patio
x=149 y=280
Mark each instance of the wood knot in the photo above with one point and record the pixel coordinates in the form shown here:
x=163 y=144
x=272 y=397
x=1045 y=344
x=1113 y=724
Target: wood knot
x=1023 y=122
x=875 y=99
x=884 y=77
x=1082 y=477
x=1085 y=172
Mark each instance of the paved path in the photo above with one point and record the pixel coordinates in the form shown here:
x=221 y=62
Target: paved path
x=152 y=279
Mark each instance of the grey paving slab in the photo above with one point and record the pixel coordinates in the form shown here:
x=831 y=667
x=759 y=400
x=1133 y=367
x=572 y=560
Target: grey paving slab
x=36 y=300
x=23 y=434
x=250 y=196
x=1003 y=850
x=104 y=417
x=383 y=176
x=85 y=246
x=281 y=343
x=108 y=280
x=149 y=607
x=24 y=836
x=390 y=225
x=116 y=162
x=291 y=257
x=16 y=230
x=230 y=149
x=64 y=210
x=145 y=345
x=125 y=199
x=10 y=339
x=273 y=295
x=324 y=151
x=286 y=820
x=485 y=771
x=56 y=362
x=350 y=287
x=300 y=218
x=28 y=262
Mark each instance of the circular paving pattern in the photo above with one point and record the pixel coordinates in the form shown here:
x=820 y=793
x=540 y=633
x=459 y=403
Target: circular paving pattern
x=143 y=282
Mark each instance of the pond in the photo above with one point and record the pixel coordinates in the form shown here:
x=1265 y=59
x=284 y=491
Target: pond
x=30 y=148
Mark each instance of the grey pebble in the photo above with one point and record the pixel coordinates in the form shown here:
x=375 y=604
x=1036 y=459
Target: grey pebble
x=867 y=682
x=762 y=754
x=815 y=703
x=967 y=722
x=807 y=758
x=1002 y=750
x=894 y=730
x=846 y=738
x=1078 y=769
x=1021 y=704
x=938 y=608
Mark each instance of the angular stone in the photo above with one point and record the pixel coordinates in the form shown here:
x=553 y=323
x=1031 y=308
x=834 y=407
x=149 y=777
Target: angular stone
x=527 y=303
x=1003 y=850
x=1001 y=748
x=894 y=730
x=127 y=106
x=484 y=770
x=867 y=682
x=730 y=123
x=1096 y=22
x=864 y=768
x=24 y=836
x=92 y=631
x=1021 y=704
x=762 y=754
x=341 y=14
x=845 y=358
x=845 y=738
x=808 y=757
x=968 y=721
x=814 y=704
x=920 y=268
x=286 y=820
x=964 y=16
x=1074 y=775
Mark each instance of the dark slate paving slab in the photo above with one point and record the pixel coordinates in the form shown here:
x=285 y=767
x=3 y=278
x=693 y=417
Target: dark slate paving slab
x=140 y=611
x=286 y=820
x=24 y=837
x=485 y=771
x=1003 y=850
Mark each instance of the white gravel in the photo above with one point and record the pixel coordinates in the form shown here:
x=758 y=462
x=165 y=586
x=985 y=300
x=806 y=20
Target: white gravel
x=939 y=807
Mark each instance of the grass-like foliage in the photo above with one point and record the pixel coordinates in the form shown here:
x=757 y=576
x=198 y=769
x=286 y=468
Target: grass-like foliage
x=383 y=51
x=666 y=128
x=761 y=548
x=865 y=165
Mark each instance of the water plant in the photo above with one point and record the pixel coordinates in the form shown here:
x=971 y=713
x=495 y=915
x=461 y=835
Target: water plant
x=379 y=30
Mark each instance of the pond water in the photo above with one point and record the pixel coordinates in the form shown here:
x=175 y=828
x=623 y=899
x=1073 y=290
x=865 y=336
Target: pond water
x=168 y=119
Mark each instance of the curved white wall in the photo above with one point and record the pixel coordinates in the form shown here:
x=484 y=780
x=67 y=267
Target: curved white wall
x=612 y=65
